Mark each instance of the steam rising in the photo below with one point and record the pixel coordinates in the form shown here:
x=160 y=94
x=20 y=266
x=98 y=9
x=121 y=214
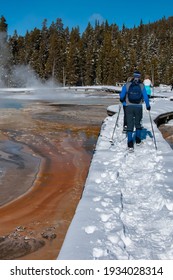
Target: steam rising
x=18 y=75
x=24 y=76
x=4 y=59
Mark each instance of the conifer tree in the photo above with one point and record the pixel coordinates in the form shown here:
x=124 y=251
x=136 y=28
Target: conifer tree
x=88 y=51
x=44 y=51
x=73 y=58
x=4 y=53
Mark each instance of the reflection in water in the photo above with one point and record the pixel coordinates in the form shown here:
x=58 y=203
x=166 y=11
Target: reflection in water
x=14 y=104
x=15 y=164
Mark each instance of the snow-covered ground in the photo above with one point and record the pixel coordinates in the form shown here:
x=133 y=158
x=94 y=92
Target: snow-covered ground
x=126 y=211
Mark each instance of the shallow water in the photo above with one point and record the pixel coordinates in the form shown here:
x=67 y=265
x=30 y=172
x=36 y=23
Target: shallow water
x=6 y=103
x=56 y=96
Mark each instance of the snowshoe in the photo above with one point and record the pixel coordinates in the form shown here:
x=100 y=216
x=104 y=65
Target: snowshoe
x=130 y=150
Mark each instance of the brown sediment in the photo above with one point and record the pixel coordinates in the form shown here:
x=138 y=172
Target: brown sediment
x=167 y=132
x=42 y=215
x=53 y=198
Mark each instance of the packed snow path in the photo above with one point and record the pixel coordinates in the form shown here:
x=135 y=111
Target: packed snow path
x=126 y=211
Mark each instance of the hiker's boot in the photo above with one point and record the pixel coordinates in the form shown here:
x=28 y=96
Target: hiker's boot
x=138 y=141
x=130 y=146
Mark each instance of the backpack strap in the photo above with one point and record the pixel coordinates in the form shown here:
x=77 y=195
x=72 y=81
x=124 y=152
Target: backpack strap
x=141 y=86
x=127 y=86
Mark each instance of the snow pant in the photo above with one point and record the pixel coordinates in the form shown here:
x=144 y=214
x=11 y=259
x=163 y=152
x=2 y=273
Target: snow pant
x=134 y=115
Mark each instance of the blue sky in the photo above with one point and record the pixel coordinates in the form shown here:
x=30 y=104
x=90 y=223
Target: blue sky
x=24 y=15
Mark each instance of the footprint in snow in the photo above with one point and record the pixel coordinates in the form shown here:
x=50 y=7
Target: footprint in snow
x=103 y=175
x=114 y=239
x=97 y=198
x=90 y=229
x=98 y=253
x=169 y=205
x=98 y=181
x=105 y=204
x=105 y=217
x=99 y=210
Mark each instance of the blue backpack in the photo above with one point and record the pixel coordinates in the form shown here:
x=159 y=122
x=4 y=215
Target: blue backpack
x=134 y=93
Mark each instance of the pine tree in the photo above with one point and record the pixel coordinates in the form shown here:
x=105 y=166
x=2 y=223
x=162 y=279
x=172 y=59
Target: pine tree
x=3 y=25
x=57 y=54
x=73 y=69
x=88 y=52
x=44 y=51
x=4 y=53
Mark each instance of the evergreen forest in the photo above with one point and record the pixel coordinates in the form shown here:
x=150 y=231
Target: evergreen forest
x=102 y=55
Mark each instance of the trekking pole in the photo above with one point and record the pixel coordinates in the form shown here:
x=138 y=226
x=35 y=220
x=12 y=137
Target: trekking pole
x=153 y=131
x=153 y=93
x=116 y=124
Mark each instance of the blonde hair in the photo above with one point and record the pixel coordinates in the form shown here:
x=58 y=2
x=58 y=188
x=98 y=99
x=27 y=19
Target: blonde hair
x=129 y=79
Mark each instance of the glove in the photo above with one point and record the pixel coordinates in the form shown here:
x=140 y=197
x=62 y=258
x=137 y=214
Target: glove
x=122 y=99
x=149 y=108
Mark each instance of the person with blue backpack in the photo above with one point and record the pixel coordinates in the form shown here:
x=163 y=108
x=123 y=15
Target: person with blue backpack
x=132 y=96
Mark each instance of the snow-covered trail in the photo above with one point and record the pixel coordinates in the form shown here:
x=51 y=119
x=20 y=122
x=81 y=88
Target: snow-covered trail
x=146 y=223
x=126 y=211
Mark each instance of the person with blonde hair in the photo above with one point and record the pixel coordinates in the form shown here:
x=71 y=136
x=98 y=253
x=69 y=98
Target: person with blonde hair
x=148 y=85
